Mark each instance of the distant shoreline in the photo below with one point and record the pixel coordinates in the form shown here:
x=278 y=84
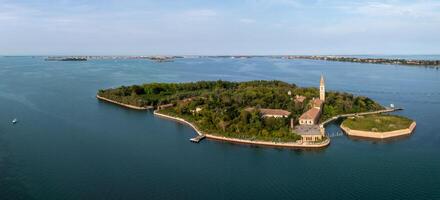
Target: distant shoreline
x=408 y=62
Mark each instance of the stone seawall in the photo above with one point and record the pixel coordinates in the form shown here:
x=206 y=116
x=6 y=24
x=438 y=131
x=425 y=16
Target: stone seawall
x=379 y=135
x=125 y=105
x=248 y=142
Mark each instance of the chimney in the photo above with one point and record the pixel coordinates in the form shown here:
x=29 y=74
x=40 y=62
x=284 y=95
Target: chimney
x=291 y=123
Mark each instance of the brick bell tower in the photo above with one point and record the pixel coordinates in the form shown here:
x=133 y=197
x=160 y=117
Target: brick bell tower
x=322 y=89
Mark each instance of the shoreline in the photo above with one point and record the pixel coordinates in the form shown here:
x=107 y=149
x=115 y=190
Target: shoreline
x=385 y=61
x=379 y=135
x=123 y=104
x=243 y=141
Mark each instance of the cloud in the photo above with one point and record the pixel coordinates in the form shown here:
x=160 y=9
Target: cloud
x=219 y=28
x=416 y=9
x=13 y=12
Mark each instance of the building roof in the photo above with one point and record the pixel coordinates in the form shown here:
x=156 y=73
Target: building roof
x=308 y=130
x=313 y=113
x=166 y=106
x=274 y=112
x=266 y=111
x=299 y=98
x=317 y=102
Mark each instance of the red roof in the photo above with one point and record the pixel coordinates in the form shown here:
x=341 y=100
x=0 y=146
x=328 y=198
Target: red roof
x=274 y=112
x=317 y=102
x=266 y=111
x=310 y=114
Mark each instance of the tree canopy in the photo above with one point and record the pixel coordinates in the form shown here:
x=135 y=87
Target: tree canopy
x=218 y=107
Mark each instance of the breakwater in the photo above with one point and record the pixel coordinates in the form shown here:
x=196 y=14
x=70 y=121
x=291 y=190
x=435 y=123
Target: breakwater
x=123 y=104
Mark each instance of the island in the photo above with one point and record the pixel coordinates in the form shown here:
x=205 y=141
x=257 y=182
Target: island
x=413 y=62
x=260 y=112
x=66 y=58
x=379 y=126
x=87 y=58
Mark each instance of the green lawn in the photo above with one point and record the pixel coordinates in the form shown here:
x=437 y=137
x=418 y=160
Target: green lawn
x=377 y=123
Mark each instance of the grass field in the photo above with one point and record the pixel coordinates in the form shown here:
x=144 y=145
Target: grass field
x=377 y=123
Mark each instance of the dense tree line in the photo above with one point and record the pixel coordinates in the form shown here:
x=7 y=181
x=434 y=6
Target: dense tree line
x=222 y=104
x=341 y=103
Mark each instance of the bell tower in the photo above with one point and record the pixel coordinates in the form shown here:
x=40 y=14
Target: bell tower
x=322 y=89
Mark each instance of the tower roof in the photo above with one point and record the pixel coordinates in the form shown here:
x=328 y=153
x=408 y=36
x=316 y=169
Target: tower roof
x=322 y=80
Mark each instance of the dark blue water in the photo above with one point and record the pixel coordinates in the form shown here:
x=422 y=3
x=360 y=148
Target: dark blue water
x=68 y=145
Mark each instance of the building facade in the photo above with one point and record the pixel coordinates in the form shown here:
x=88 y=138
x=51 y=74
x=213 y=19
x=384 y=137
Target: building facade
x=322 y=89
x=308 y=128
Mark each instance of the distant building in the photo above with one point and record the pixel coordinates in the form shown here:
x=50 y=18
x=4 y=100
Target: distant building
x=299 y=98
x=197 y=110
x=311 y=117
x=165 y=106
x=276 y=113
x=309 y=130
x=310 y=133
x=317 y=103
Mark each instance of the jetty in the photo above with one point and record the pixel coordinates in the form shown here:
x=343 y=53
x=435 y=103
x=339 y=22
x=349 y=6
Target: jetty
x=359 y=114
x=197 y=139
x=125 y=105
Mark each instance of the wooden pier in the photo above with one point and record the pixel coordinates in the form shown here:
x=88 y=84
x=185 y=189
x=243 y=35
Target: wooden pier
x=197 y=139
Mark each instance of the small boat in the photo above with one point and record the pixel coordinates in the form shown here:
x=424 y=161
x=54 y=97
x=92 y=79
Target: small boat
x=14 y=121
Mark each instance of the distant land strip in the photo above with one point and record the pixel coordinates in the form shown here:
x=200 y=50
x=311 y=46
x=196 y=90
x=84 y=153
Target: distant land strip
x=414 y=62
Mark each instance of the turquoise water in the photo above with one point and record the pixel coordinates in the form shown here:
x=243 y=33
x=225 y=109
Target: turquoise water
x=68 y=145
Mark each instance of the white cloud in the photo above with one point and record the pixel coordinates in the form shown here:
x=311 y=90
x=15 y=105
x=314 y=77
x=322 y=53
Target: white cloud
x=416 y=9
x=11 y=12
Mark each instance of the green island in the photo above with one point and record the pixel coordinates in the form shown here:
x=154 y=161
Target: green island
x=270 y=111
x=377 y=123
x=378 y=126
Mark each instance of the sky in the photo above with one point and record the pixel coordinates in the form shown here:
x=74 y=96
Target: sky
x=214 y=27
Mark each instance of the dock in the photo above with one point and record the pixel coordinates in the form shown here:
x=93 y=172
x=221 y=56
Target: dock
x=359 y=114
x=197 y=139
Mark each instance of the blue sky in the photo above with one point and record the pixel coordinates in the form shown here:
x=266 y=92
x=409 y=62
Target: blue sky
x=196 y=27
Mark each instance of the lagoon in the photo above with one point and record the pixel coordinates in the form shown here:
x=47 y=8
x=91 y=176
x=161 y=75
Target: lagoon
x=69 y=145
